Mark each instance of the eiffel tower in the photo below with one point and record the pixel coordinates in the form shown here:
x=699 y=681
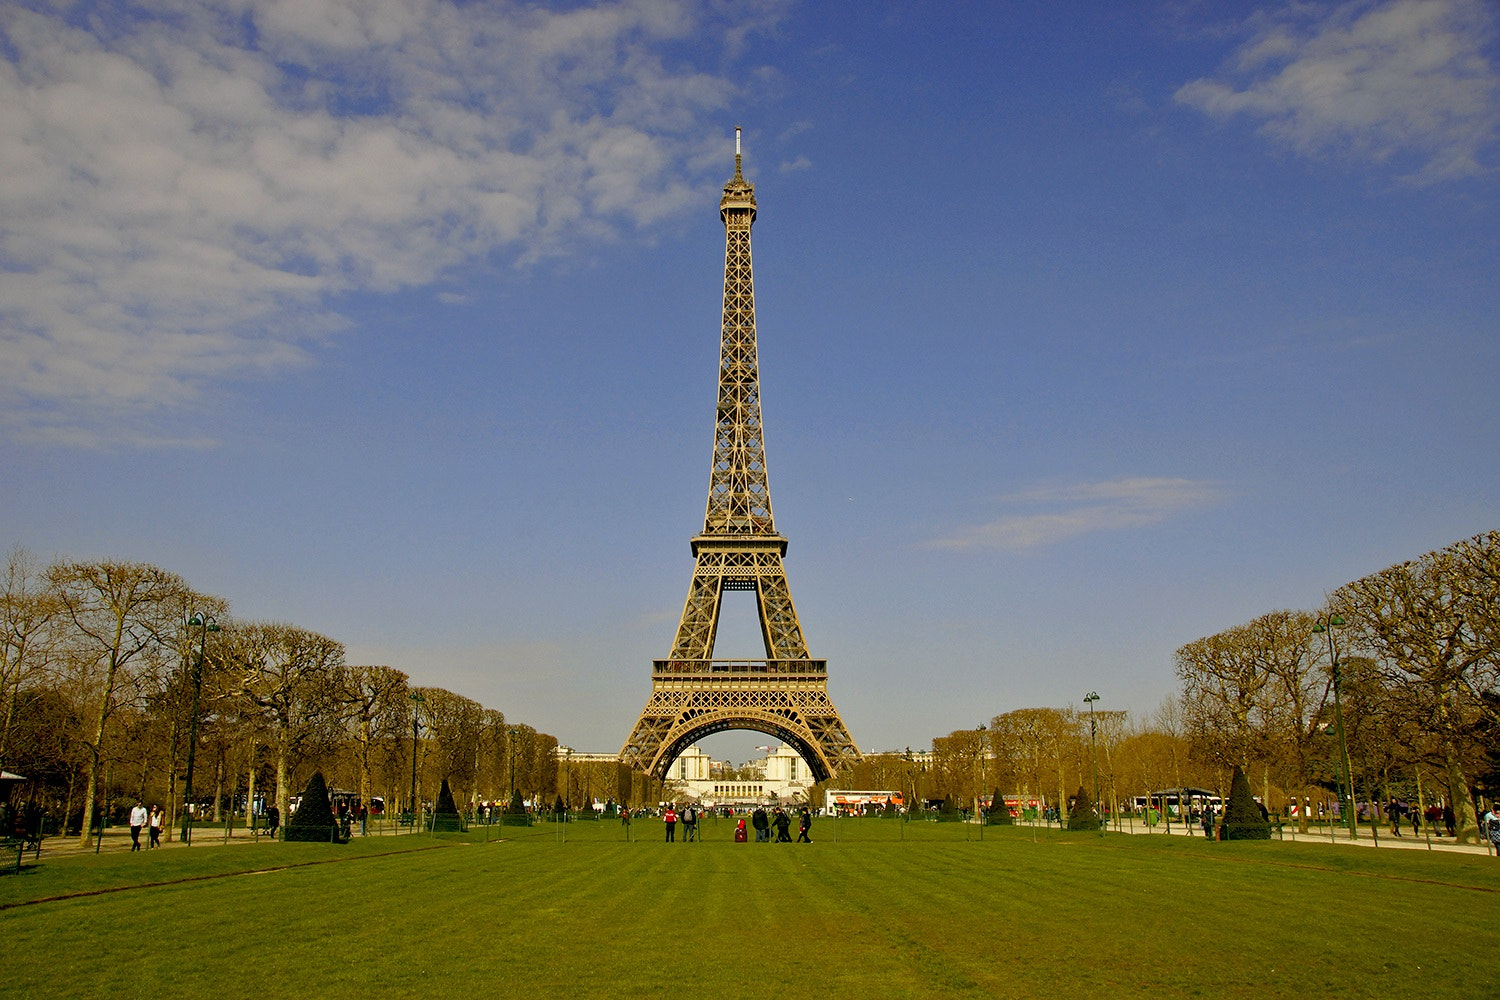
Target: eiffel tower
x=786 y=694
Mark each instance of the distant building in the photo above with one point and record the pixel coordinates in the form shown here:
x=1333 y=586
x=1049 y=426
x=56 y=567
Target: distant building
x=780 y=776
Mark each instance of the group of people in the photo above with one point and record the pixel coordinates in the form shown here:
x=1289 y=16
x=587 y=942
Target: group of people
x=151 y=820
x=762 y=821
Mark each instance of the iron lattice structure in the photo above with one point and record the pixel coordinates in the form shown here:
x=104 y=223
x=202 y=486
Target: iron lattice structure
x=786 y=694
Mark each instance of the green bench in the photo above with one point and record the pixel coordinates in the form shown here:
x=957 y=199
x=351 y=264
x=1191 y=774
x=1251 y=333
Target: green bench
x=20 y=844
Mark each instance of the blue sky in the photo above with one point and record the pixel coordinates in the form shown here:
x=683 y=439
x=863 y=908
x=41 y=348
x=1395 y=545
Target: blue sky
x=1085 y=329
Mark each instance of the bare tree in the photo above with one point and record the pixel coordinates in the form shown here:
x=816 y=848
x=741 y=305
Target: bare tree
x=28 y=610
x=377 y=699
x=1041 y=742
x=295 y=678
x=1282 y=643
x=1411 y=617
x=453 y=732
x=122 y=616
x=1224 y=692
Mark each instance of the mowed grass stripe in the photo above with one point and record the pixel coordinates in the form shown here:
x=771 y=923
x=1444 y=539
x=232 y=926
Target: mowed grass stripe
x=1003 y=918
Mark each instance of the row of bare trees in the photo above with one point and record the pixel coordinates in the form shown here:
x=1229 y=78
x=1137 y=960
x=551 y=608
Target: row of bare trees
x=115 y=675
x=1412 y=653
x=1408 y=658
x=1045 y=755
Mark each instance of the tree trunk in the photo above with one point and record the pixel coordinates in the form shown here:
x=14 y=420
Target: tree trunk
x=1467 y=820
x=91 y=782
x=283 y=793
x=68 y=808
x=219 y=787
x=250 y=788
x=364 y=762
x=10 y=712
x=170 y=819
x=1062 y=792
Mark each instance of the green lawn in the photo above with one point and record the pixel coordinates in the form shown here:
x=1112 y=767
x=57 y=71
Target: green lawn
x=883 y=911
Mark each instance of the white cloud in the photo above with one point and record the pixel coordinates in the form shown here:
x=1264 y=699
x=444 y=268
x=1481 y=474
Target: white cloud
x=182 y=188
x=1050 y=515
x=1405 y=81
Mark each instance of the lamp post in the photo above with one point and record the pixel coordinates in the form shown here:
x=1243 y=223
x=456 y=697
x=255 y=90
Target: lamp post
x=205 y=624
x=1089 y=699
x=1326 y=627
x=417 y=702
x=510 y=746
x=979 y=768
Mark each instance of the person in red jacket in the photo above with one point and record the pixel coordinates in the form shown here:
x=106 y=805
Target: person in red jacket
x=670 y=817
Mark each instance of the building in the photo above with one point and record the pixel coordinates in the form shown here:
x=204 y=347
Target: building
x=780 y=776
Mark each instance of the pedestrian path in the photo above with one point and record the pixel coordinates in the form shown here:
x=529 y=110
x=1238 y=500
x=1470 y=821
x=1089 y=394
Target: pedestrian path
x=116 y=840
x=1340 y=838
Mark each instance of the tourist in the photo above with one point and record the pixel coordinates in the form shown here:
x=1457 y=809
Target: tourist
x=1490 y=827
x=762 y=824
x=154 y=818
x=273 y=820
x=783 y=824
x=739 y=831
x=690 y=823
x=803 y=826
x=670 y=818
x=138 y=819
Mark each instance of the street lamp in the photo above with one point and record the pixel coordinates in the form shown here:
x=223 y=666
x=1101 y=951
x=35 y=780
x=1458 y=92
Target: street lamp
x=979 y=760
x=417 y=702
x=205 y=624
x=1326 y=627
x=1090 y=698
x=510 y=744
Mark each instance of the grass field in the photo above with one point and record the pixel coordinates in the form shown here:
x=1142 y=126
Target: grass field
x=885 y=911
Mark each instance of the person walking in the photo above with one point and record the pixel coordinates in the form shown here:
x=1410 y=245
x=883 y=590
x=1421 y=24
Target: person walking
x=1490 y=827
x=154 y=818
x=804 y=824
x=273 y=820
x=138 y=819
x=670 y=818
x=783 y=824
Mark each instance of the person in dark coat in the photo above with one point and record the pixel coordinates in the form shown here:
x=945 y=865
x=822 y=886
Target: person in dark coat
x=804 y=824
x=762 y=824
x=783 y=824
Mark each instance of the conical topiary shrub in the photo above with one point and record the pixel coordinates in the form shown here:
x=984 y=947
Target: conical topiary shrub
x=514 y=813
x=1082 y=816
x=948 y=812
x=1242 y=817
x=313 y=820
x=999 y=813
x=445 y=816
